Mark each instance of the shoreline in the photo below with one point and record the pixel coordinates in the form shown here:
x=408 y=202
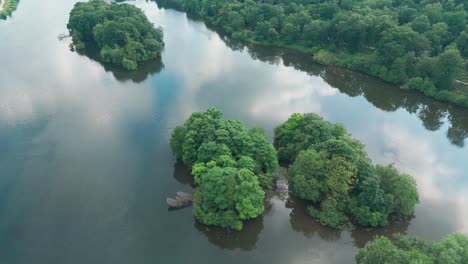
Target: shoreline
x=445 y=96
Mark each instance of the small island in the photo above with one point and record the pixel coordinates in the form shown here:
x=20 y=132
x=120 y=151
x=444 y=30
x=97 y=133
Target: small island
x=7 y=7
x=232 y=166
x=452 y=249
x=121 y=32
x=332 y=171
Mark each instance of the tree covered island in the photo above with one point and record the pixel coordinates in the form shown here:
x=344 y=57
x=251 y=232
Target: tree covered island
x=232 y=166
x=420 y=45
x=7 y=7
x=121 y=32
x=333 y=172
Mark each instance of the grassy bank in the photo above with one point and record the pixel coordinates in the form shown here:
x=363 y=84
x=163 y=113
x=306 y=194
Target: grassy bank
x=8 y=7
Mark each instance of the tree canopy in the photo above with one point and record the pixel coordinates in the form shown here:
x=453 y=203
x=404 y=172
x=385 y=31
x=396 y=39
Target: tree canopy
x=452 y=249
x=122 y=32
x=230 y=164
x=8 y=7
x=334 y=173
x=419 y=44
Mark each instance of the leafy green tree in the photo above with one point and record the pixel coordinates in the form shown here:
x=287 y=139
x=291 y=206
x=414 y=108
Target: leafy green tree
x=380 y=250
x=421 y=24
x=452 y=249
x=447 y=66
x=290 y=32
x=402 y=187
x=300 y=132
x=227 y=196
x=307 y=174
x=462 y=43
x=329 y=214
x=315 y=32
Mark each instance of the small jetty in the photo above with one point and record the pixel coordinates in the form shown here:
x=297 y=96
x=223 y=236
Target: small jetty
x=182 y=199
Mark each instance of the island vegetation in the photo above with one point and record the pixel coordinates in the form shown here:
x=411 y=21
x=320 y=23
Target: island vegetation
x=333 y=172
x=7 y=7
x=121 y=32
x=231 y=166
x=452 y=249
x=420 y=45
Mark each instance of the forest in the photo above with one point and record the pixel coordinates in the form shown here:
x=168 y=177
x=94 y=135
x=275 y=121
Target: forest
x=452 y=249
x=420 y=45
x=232 y=166
x=8 y=7
x=122 y=32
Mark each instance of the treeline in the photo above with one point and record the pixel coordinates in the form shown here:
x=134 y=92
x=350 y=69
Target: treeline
x=122 y=32
x=8 y=7
x=452 y=249
x=232 y=166
x=420 y=44
x=333 y=172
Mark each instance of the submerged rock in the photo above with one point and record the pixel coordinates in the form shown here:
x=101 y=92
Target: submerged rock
x=182 y=199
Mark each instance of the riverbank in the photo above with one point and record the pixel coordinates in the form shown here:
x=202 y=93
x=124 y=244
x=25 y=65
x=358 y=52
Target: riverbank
x=407 y=66
x=7 y=7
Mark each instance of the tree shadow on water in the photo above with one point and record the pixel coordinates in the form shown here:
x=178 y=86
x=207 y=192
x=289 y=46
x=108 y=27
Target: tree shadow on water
x=144 y=70
x=182 y=174
x=361 y=235
x=246 y=239
x=303 y=223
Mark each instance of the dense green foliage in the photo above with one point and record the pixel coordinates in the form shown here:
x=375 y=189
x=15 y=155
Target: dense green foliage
x=230 y=164
x=333 y=171
x=452 y=249
x=122 y=32
x=8 y=7
x=423 y=44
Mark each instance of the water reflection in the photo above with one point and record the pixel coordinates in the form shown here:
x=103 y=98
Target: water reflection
x=226 y=239
x=245 y=240
x=305 y=224
x=361 y=237
x=387 y=97
x=85 y=164
x=441 y=184
x=182 y=174
x=144 y=70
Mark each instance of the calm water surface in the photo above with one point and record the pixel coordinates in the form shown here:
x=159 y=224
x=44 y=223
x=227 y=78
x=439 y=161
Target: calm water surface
x=85 y=165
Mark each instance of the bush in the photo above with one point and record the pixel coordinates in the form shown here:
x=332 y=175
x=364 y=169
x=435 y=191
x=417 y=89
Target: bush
x=324 y=57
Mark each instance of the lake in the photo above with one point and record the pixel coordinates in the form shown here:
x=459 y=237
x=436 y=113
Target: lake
x=85 y=164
